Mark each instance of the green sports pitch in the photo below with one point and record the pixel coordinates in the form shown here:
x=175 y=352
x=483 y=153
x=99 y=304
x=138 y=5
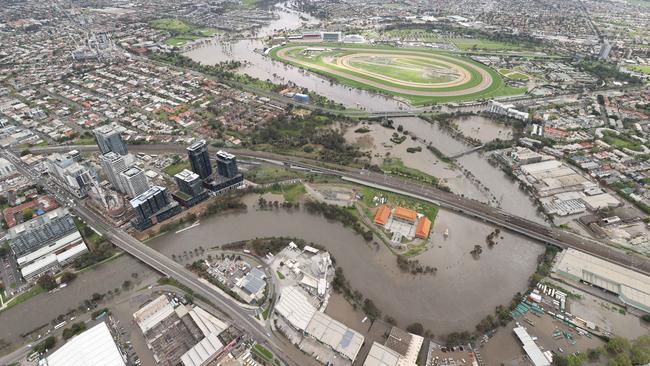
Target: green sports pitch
x=418 y=76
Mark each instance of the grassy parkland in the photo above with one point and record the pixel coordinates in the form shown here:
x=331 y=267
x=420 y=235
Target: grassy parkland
x=418 y=76
x=181 y=32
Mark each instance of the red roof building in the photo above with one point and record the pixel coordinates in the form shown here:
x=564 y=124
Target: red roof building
x=405 y=214
x=381 y=217
x=423 y=228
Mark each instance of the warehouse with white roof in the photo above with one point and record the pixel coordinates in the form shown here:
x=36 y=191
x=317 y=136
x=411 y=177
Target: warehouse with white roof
x=295 y=308
x=93 y=347
x=632 y=288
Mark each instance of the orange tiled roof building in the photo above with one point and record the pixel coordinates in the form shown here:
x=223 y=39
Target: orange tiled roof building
x=381 y=217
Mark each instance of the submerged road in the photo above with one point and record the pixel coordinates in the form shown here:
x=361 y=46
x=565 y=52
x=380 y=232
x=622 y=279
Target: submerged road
x=465 y=206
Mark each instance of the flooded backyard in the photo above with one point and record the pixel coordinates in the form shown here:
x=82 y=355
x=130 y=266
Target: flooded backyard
x=457 y=297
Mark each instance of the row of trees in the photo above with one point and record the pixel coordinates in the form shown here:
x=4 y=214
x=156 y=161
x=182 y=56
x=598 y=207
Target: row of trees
x=298 y=133
x=618 y=351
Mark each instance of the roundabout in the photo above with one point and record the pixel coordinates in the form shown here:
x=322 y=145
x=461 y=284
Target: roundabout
x=419 y=76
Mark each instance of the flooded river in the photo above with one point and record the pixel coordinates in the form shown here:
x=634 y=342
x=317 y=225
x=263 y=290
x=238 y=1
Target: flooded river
x=41 y=309
x=255 y=64
x=462 y=292
x=486 y=183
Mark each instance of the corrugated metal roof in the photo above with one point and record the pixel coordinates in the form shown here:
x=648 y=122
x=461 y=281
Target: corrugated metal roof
x=295 y=307
x=93 y=347
x=534 y=353
x=203 y=351
x=335 y=334
x=381 y=355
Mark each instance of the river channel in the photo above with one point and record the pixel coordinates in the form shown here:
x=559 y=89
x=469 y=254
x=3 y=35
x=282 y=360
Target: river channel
x=462 y=292
x=256 y=64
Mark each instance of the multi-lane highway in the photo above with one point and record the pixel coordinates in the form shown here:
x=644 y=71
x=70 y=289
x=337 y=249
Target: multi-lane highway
x=478 y=210
x=161 y=263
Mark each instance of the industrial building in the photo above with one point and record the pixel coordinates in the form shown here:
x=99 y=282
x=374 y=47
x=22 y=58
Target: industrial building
x=46 y=243
x=252 y=285
x=134 y=181
x=401 y=348
x=52 y=257
x=381 y=355
x=109 y=139
x=199 y=158
x=174 y=332
x=631 y=287
x=551 y=177
x=95 y=346
x=295 y=308
x=535 y=355
x=153 y=206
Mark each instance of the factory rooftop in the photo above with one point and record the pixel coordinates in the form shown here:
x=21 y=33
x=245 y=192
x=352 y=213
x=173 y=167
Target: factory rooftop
x=381 y=355
x=93 y=347
x=633 y=288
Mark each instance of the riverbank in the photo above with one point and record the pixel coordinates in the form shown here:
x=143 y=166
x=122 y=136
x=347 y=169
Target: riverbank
x=457 y=297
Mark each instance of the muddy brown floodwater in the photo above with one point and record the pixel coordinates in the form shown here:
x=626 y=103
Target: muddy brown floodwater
x=462 y=292
x=41 y=309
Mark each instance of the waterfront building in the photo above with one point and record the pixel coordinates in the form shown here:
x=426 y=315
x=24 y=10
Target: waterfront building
x=197 y=153
x=109 y=139
x=134 y=181
x=507 y=110
x=46 y=243
x=94 y=346
x=631 y=287
x=153 y=206
x=226 y=164
x=190 y=189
